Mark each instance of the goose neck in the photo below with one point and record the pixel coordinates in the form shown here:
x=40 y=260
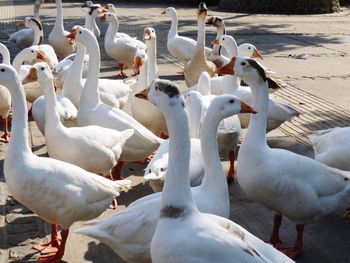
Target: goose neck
x=5 y=55
x=176 y=191
x=214 y=175
x=59 y=17
x=72 y=87
x=19 y=144
x=52 y=119
x=174 y=25
x=200 y=38
x=90 y=96
x=112 y=31
x=143 y=80
x=256 y=134
x=217 y=49
x=17 y=62
x=38 y=36
x=36 y=9
x=152 y=59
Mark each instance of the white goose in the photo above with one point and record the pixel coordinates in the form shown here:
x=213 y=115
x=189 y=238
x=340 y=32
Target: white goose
x=129 y=232
x=66 y=110
x=24 y=38
x=32 y=90
x=57 y=37
x=92 y=111
x=71 y=194
x=150 y=38
x=121 y=49
x=279 y=110
x=331 y=147
x=93 y=148
x=48 y=50
x=292 y=185
x=5 y=96
x=91 y=21
x=182 y=48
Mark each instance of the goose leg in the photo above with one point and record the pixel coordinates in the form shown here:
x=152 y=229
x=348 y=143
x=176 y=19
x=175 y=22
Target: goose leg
x=295 y=251
x=230 y=174
x=52 y=245
x=6 y=135
x=275 y=240
x=122 y=73
x=56 y=257
x=116 y=172
x=114 y=204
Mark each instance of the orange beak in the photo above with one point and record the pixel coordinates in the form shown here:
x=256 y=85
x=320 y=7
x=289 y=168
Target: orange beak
x=163 y=13
x=105 y=9
x=245 y=108
x=227 y=69
x=40 y=55
x=31 y=77
x=143 y=94
x=103 y=18
x=137 y=63
x=216 y=42
x=71 y=36
x=21 y=24
x=256 y=54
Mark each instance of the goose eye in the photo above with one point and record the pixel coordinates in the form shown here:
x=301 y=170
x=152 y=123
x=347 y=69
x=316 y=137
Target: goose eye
x=231 y=101
x=162 y=169
x=32 y=51
x=243 y=63
x=42 y=68
x=156 y=88
x=223 y=38
x=2 y=70
x=249 y=48
x=79 y=32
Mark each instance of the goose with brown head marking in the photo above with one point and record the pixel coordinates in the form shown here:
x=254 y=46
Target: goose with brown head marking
x=292 y=185
x=199 y=63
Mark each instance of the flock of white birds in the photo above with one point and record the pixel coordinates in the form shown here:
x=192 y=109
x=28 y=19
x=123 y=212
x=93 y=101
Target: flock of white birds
x=96 y=125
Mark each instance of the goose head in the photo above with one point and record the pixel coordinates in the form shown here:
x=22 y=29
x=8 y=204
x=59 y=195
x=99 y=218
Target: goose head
x=140 y=58
x=171 y=11
x=228 y=42
x=87 y=4
x=40 y=72
x=95 y=10
x=30 y=54
x=83 y=35
x=216 y=22
x=249 y=50
x=9 y=77
x=109 y=17
x=149 y=34
x=33 y=23
x=163 y=94
x=157 y=170
x=202 y=10
x=110 y=8
x=226 y=105
x=245 y=68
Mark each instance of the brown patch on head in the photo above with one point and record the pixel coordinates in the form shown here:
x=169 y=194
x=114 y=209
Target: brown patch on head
x=172 y=212
x=167 y=87
x=258 y=68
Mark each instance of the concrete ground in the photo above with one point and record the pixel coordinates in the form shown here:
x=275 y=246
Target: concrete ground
x=325 y=74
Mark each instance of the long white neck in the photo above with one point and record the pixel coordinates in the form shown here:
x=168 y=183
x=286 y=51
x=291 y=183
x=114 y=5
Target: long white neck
x=17 y=62
x=218 y=49
x=36 y=9
x=176 y=191
x=214 y=178
x=5 y=54
x=89 y=22
x=200 y=52
x=111 y=31
x=38 y=36
x=19 y=144
x=143 y=80
x=58 y=27
x=72 y=87
x=52 y=119
x=152 y=59
x=90 y=96
x=174 y=25
x=256 y=135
